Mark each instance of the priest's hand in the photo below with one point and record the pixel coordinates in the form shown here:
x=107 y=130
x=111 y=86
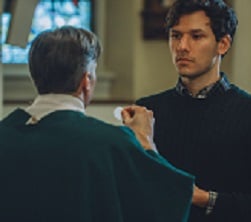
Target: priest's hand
x=141 y=121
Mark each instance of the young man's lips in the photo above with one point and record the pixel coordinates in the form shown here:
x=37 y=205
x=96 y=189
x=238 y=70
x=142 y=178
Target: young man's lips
x=183 y=60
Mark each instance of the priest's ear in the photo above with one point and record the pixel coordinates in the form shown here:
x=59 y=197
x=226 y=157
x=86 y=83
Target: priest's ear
x=86 y=87
x=86 y=82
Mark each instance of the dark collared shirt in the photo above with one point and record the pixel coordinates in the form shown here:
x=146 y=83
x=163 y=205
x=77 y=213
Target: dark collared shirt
x=221 y=86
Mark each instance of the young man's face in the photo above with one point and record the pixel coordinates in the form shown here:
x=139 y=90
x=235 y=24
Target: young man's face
x=193 y=46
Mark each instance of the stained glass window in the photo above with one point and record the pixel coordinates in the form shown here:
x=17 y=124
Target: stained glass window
x=48 y=14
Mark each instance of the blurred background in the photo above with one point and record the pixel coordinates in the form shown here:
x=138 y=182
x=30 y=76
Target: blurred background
x=135 y=62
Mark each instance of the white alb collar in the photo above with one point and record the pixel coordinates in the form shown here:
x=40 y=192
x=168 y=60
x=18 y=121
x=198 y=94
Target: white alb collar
x=48 y=103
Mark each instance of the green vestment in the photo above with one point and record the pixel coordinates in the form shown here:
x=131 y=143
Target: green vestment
x=71 y=167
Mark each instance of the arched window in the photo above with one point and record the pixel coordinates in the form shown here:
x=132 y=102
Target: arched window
x=48 y=14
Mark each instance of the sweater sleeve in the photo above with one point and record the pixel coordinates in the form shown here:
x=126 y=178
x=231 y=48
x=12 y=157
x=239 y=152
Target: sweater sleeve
x=232 y=207
x=235 y=205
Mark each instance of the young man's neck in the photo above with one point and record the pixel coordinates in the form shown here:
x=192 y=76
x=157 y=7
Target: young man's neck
x=194 y=85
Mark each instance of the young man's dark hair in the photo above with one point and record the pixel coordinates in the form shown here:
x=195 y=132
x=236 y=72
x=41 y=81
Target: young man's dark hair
x=222 y=18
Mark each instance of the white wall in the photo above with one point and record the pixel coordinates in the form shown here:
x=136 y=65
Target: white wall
x=242 y=46
x=154 y=70
x=119 y=46
x=141 y=66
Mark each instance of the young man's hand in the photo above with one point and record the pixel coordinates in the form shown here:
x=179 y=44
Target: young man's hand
x=200 y=197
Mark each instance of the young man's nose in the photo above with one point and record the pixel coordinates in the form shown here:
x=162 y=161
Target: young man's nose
x=183 y=43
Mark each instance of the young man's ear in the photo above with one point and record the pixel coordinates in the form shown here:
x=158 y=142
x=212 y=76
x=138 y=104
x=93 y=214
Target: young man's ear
x=224 y=44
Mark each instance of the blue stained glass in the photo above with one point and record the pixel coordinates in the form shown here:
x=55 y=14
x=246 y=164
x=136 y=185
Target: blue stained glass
x=47 y=15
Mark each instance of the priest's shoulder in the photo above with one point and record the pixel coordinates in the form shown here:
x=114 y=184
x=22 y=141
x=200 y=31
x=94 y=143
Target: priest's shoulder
x=108 y=133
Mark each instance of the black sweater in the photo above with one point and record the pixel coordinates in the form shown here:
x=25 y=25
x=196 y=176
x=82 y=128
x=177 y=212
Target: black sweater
x=211 y=139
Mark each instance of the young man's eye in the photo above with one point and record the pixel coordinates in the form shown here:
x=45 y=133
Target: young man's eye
x=197 y=37
x=175 y=36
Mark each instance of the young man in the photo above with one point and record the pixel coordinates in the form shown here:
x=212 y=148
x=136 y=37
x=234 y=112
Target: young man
x=203 y=125
x=58 y=164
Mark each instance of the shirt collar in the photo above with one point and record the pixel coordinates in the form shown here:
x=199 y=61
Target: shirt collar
x=48 y=103
x=221 y=86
